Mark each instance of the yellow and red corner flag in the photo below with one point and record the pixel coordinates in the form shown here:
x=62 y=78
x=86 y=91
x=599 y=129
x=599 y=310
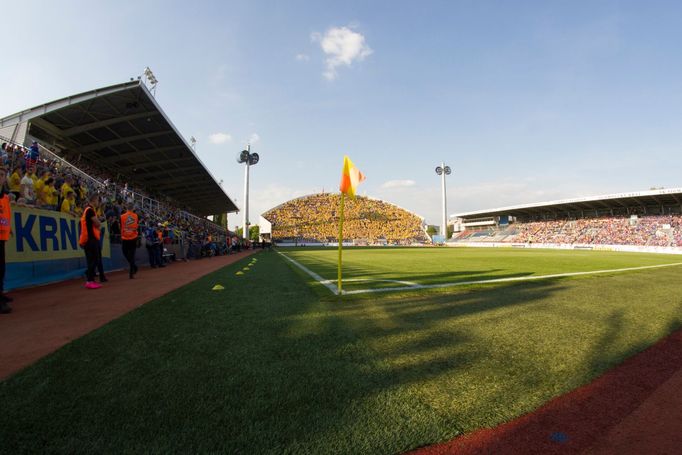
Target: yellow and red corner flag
x=350 y=177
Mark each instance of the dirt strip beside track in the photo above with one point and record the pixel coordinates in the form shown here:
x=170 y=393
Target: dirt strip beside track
x=47 y=317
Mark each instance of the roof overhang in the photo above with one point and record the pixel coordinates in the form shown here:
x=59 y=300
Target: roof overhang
x=651 y=198
x=123 y=130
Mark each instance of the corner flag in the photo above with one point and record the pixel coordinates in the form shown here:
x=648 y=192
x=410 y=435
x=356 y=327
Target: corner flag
x=350 y=179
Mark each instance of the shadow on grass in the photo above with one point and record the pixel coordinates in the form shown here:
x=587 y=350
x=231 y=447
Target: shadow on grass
x=268 y=367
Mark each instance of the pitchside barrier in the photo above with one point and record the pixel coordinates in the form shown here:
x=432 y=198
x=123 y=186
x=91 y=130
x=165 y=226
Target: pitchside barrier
x=574 y=246
x=44 y=249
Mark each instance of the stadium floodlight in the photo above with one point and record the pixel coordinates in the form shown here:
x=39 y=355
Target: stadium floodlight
x=444 y=170
x=249 y=159
x=153 y=81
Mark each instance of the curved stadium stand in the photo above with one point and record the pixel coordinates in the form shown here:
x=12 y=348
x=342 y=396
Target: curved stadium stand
x=314 y=219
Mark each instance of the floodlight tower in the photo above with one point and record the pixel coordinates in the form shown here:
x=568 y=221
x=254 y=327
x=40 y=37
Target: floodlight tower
x=249 y=159
x=153 y=81
x=444 y=170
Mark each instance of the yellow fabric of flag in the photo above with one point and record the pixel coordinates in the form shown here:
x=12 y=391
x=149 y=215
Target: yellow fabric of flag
x=350 y=177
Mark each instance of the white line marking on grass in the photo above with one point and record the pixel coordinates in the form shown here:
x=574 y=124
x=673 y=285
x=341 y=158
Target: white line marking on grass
x=409 y=286
x=327 y=283
x=335 y=289
x=406 y=283
x=518 y=278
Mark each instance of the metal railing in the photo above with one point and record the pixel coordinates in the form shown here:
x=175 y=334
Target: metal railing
x=140 y=200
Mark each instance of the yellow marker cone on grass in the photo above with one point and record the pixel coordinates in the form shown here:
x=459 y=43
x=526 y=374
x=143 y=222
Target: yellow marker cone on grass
x=239 y=273
x=218 y=287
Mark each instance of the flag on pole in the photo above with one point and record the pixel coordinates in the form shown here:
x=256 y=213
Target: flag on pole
x=350 y=177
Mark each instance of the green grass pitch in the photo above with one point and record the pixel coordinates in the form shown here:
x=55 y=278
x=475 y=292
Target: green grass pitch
x=276 y=363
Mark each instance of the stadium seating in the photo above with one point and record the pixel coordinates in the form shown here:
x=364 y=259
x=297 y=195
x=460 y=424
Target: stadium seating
x=84 y=179
x=646 y=230
x=367 y=221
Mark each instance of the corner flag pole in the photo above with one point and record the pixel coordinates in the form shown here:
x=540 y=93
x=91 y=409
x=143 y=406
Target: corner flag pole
x=339 y=285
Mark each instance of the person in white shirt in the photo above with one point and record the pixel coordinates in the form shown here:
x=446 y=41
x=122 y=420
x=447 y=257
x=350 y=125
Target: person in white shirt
x=27 y=188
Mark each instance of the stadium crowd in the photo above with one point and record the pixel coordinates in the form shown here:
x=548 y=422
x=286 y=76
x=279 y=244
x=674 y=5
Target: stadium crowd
x=643 y=230
x=45 y=181
x=315 y=218
x=35 y=177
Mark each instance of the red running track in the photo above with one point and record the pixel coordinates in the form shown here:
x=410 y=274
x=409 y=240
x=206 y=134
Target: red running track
x=47 y=317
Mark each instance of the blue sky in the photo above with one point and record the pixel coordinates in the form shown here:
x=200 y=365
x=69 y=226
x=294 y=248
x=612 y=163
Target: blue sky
x=526 y=101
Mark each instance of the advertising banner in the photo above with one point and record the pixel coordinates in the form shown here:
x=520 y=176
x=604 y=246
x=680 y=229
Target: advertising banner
x=46 y=235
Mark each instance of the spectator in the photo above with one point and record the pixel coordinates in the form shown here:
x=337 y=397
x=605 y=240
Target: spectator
x=69 y=204
x=26 y=188
x=32 y=155
x=15 y=182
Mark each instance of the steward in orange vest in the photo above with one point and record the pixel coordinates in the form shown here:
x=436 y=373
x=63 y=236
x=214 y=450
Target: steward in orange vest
x=89 y=230
x=5 y=232
x=130 y=231
x=89 y=240
x=129 y=225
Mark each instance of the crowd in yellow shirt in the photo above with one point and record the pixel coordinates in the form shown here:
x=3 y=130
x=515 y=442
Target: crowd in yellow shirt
x=316 y=218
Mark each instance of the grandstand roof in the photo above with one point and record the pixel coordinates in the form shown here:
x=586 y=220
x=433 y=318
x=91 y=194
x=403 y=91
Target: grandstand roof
x=639 y=199
x=122 y=129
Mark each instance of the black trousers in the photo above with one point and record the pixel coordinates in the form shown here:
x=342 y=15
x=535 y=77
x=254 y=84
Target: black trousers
x=2 y=266
x=128 y=247
x=93 y=258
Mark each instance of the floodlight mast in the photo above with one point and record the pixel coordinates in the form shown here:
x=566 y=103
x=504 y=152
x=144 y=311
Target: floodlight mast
x=444 y=170
x=245 y=223
x=249 y=159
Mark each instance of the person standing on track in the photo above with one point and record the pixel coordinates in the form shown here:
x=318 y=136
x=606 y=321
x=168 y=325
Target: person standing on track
x=89 y=240
x=5 y=233
x=130 y=231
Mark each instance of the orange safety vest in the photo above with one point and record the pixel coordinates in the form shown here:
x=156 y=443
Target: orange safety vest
x=5 y=218
x=159 y=234
x=83 y=240
x=129 y=226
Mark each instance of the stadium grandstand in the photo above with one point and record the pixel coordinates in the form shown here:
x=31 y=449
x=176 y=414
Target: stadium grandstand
x=636 y=221
x=115 y=141
x=313 y=219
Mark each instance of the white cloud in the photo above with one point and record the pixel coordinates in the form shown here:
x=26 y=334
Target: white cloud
x=219 y=138
x=302 y=57
x=342 y=46
x=398 y=184
x=254 y=138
